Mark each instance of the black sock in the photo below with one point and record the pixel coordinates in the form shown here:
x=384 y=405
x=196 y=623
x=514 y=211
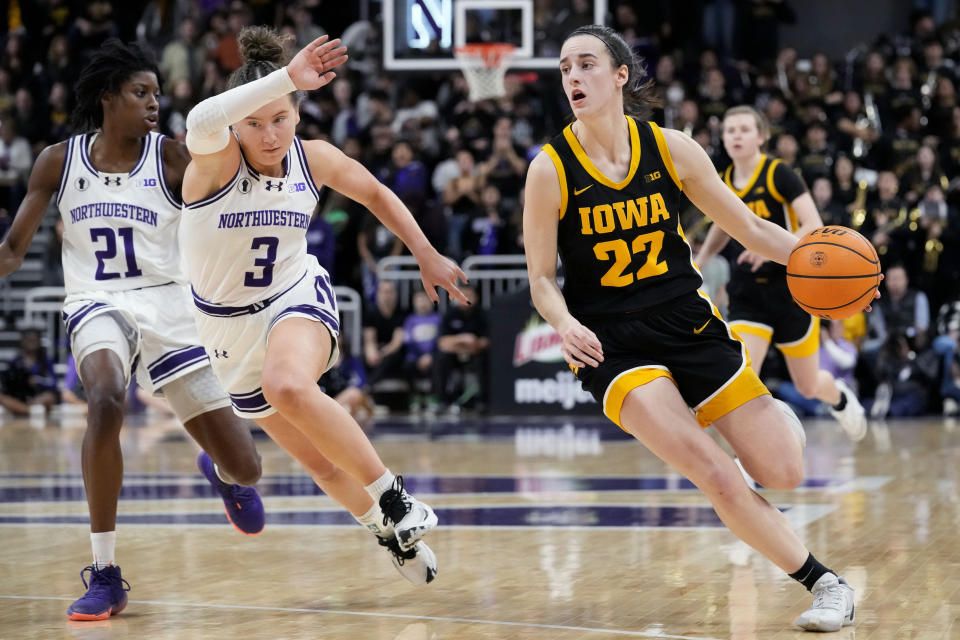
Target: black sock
x=843 y=402
x=810 y=572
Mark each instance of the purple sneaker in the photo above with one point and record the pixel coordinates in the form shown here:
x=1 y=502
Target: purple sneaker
x=106 y=594
x=242 y=504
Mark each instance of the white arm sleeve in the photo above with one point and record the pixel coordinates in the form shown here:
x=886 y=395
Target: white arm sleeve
x=208 y=122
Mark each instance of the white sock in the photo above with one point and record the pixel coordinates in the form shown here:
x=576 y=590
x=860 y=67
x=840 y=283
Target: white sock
x=103 y=548
x=372 y=520
x=381 y=484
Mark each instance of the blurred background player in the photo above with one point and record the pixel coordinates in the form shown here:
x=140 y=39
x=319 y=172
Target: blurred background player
x=761 y=309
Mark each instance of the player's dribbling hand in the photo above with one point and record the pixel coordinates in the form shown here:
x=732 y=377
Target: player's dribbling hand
x=311 y=68
x=439 y=271
x=876 y=296
x=580 y=346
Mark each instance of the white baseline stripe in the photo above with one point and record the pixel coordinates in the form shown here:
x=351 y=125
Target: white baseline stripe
x=401 y=616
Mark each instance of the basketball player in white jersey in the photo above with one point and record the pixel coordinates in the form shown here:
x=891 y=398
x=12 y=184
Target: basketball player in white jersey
x=127 y=307
x=263 y=305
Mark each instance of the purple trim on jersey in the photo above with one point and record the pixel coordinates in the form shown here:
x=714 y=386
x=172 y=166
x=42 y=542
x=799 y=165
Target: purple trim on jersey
x=252 y=402
x=144 y=154
x=315 y=312
x=85 y=154
x=214 y=309
x=253 y=172
x=66 y=168
x=73 y=320
x=323 y=282
x=174 y=362
x=302 y=156
x=216 y=195
x=162 y=173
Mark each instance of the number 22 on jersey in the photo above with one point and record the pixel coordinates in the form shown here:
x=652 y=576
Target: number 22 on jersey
x=617 y=275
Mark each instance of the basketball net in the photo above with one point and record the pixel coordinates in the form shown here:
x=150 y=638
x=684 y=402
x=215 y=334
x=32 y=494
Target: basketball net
x=484 y=65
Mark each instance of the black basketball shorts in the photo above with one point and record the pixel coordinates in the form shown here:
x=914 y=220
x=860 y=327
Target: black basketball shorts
x=685 y=340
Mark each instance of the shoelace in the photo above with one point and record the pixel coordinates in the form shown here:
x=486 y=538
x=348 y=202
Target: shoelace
x=392 y=544
x=100 y=581
x=393 y=503
x=831 y=597
x=240 y=493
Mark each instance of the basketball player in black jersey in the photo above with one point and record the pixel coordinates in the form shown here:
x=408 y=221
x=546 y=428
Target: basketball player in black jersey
x=761 y=308
x=635 y=328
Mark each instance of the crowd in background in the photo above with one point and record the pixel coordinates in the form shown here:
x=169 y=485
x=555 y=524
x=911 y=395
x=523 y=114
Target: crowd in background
x=875 y=135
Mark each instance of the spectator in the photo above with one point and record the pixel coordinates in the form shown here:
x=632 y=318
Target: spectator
x=904 y=385
x=183 y=58
x=487 y=223
x=817 y=158
x=321 y=243
x=903 y=311
x=758 y=29
x=922 y=174
x=462 y=197
x=383 y=335
x=945 y=346
x=505 y=167
x=16 y=158
x=461 y=348
x=420 y=332
x=346 y=383
x=407 y=177
x=29 y=379
x=831 y=211
x=844 y=186
x=374 y=242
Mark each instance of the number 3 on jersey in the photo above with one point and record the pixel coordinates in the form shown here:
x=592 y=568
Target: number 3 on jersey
x=623 y=254
x=251 y=279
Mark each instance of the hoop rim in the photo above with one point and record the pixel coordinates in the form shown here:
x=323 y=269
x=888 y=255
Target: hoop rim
x=492 y=53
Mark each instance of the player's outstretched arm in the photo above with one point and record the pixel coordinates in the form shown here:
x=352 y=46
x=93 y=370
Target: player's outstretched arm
x=44 y=183
x=216 y=154
x=541 y=215
x=705 y=190
x=332 y=167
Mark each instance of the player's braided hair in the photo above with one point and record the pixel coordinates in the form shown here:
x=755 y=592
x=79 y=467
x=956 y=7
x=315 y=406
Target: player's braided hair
x=638 y=96
x=112 y=65
x=263 y=51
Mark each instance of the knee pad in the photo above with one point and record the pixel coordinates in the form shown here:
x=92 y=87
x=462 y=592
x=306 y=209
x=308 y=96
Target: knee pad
x=107 y=331
x=195 y=393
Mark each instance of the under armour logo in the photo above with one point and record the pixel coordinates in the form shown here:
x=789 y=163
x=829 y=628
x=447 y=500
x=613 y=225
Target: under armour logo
x=277 y=186
x=107 y=179
x=219 y=354
x=81 y=184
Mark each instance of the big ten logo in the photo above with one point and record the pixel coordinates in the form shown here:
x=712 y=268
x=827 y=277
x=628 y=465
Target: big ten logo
x=297 y=187
x=429 y=21
x=147 y=182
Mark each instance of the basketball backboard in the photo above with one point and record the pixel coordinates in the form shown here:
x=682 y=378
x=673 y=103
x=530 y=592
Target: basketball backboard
x=421 y=35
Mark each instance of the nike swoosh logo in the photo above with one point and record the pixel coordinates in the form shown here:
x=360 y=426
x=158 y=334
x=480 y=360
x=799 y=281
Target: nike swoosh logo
x=697 y=331
x=577 y=192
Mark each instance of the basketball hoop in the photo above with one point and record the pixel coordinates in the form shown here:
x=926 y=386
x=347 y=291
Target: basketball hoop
x=484 y=64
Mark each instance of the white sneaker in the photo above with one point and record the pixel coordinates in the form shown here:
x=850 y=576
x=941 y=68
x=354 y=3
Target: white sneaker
x=950 y=407
x=832 y=605
x=411 y=518
x=418 y=565
x=852 y=417
x=881 y=403
x=793 y=421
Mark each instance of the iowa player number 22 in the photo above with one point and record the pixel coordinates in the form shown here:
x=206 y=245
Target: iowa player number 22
x=622 y=255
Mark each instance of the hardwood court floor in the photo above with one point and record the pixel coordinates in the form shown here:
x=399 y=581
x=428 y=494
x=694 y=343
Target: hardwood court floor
x=552 y=531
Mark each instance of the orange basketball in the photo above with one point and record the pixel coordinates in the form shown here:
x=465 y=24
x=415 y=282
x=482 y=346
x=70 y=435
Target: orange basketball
x=833 y=273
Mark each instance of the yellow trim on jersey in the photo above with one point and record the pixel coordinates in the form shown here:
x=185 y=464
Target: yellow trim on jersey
x=665 y=154
x=752 y=328
x=744 y=386
x=808 y=345
x=592 y=169
x=728 y=178
x=626 y=382
x=689 y=248
x=790 y=215
x=552 y=153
